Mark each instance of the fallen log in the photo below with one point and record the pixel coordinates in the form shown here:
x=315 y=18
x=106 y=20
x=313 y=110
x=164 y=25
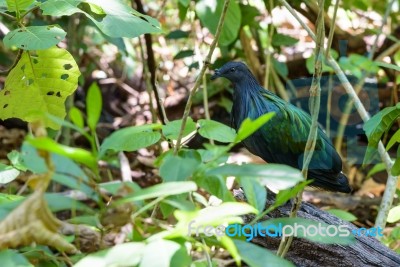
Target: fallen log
x=366 y=251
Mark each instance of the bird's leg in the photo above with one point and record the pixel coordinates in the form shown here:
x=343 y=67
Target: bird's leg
x=284 y=245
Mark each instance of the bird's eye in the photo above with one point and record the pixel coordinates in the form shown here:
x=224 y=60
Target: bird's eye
x=233 y=69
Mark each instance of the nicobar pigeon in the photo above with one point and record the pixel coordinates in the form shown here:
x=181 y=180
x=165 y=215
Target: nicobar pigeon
x=283 y=138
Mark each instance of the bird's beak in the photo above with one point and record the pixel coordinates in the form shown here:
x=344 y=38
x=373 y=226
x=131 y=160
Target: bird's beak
x=216 y=74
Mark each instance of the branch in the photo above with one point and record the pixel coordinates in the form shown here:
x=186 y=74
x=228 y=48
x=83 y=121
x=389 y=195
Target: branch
x=199 y=78
x=315 y=99
x=151 y=63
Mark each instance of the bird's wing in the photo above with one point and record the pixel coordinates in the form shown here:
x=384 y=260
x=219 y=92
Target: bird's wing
x=293 y=129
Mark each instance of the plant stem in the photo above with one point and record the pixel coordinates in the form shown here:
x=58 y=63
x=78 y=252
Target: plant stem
x=332 y=29
x=315 y=99
x=7 y=16
x=199 y=78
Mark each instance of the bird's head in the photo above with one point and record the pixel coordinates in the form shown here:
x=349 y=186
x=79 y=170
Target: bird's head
x=233 y=71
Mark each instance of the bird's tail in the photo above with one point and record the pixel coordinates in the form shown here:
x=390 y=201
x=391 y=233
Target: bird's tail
x=340 y=183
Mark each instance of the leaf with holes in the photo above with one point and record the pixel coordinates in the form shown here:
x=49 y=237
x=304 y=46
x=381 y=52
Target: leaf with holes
x=39 y=84
x=105 y=15
x=34 y=37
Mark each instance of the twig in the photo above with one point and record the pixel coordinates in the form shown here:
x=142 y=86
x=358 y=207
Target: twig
x=8 y=16
x=148 y=83
x=280 y=88
x=315 y=94
x=198 y=57
x=199 y=78
x=332 y=29
x=28 y=11
x=151 y=63
x=268 y=59
x=393 y=48
x=297 y=17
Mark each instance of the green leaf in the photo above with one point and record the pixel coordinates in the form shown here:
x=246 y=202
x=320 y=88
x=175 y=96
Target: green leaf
x=387 y=65
x=193 y=222
x=364 y=63
x=225 y=103
x=125 y=254
x=394 y=215
x=76 y=117
x=8 y=203
x=283 y=40
x=256 y=193
x=181 y=166
x=76 y=154
x=249 y=14
x=19 y=5
x=184 y=53
x=165 y=252
x=376 y=126
x=94 y=104
x=67 y=124
x=131 y=138
x=342 y=214
x=15 y=159
x=284 y=195
x=89 y=220
x=272 y=175
x=172 y=128
x=115 y=187
x=34 y=37
x=38 y=85
x=310 y=65
x=396 y=167
x=130 y=22
x=75 y=182
x=172 y=203
x=394 y=139
x=256 y=256
x=161 y=190
x=349 y=67
x=177 y=34
x=248 y=126
x=185 y=3
x=215 y=185
x=182 y=11
x=10 y=257
x=312 y=230
x=377 y=168
x=3 y=5
x=280 y=67
x=209 y=12
x=58 y=202
x=216 y=131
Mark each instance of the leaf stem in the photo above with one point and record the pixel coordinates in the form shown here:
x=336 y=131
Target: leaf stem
x=7 y=16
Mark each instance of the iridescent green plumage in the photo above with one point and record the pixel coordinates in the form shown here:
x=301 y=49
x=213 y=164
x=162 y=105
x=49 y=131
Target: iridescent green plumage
x=283 y=138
